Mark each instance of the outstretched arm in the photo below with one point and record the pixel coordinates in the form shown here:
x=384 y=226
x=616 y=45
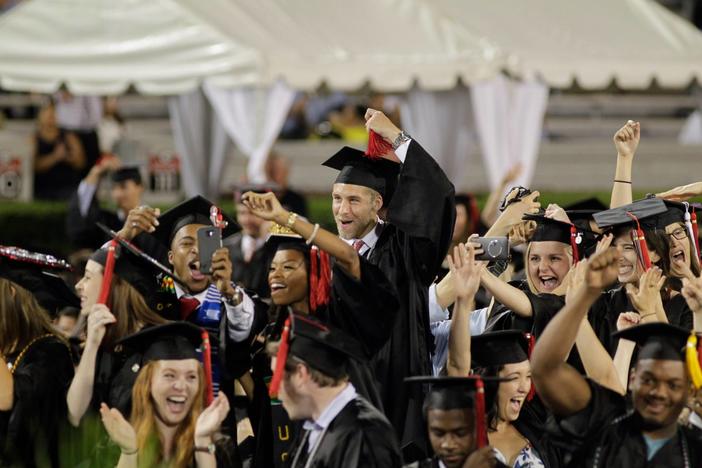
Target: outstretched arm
x=683 y=192
x=560 y=386
x=268 y=207
x=466 y=275
x=626 y=140
x=490 y=213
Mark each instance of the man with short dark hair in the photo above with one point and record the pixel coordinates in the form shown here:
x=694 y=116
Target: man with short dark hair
x=341 y=428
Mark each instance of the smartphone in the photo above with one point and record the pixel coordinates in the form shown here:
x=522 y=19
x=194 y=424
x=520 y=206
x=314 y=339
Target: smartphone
x=494 y=248
x=209 y=239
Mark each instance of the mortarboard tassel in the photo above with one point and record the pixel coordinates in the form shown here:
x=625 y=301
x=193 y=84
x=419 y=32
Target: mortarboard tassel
x=574 y=238
x=690 y=227
x=320 y=278
x=377 y=146
x=640 y=240
x=207 y=362
x=281 y=357
x=481 y=425
x=692 y=361
x=532 y=340
x=107 y=274
x=695 y=231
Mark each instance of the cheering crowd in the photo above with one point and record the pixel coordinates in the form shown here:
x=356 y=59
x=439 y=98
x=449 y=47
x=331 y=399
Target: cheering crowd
x=419 y=334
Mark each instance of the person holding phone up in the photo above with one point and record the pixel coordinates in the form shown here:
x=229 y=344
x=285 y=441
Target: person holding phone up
x=209 y=300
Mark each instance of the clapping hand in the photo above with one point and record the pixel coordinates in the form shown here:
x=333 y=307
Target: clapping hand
x=120 y=431
x=692 y=292
x=646 y=299
x=465 y=271
x=211 y=418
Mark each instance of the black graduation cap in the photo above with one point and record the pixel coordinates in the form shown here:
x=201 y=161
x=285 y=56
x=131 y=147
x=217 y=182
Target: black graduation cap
x=641 y=210
x=153 y=280
x=171 y=341
x=448 y=393
x=38 y=274
x=357 y=169
x=321 y=346
x=195 y=210
x=657 y=340
x=127 y=173
x=675 y=213
x=498 y=348
x=548 y=229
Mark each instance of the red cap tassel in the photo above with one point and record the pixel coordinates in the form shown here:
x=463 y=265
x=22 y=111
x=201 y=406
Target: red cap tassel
x=532 y=342
x=574 y=243
x=107 y=274
x=320 y=278
x=377 y=146
x=641 y=239
x=481 y=425
x=281 y=357
x=207 y=362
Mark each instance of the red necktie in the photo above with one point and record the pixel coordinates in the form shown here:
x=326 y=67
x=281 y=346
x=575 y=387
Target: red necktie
x=358 y=245
x=188 y=305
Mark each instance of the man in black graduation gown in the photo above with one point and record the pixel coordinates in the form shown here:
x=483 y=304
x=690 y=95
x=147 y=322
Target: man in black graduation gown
x=595 y=424
x=341 y=428
x=132 y=220
x=408 y=246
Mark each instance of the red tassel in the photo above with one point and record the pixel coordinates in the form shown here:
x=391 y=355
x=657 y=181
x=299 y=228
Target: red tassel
x=281 y=357
x=481 y=426
x=532 y=341
x=641 y=239
x=320 y=278
x=107 y=274
x=207 y=362
x=377 y=146
x=574 y=243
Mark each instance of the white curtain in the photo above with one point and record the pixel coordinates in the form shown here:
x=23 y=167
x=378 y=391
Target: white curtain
x=252 y=117
x=691 y=133
x=442 y=122
x=509 y=120
x=201 y=143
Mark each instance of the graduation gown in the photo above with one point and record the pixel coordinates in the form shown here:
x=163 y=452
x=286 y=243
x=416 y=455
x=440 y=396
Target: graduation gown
x=30 y=431
x=605 y=434
x=365 y=309
x=605 y=311
x=359 y=436
x=251 y=275
x=409 y=251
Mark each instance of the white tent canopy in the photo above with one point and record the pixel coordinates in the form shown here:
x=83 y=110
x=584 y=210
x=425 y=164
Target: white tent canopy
x=171 y=46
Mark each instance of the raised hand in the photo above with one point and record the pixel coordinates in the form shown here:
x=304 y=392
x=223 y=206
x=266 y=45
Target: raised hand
x=627 y=320
x=521 y=233
x=465 y=271
x=512 y=174
x=604 y=243
x=575 y=277
x=211 y=418
x=140 y=219
x=120 y=431
x=692 y=292
x=382 y=125
x=626 y=140
x=646 y=299
x=602 y=269
x=553 y=211
x=683 y=192
x=222 y=272
x=98 y=319
x=514 y=212
x=265 y=206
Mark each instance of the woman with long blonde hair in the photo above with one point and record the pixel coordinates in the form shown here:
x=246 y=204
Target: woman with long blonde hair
x=168 y=426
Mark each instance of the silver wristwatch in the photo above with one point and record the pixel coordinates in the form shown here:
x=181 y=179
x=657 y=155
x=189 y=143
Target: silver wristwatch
x=401 y=138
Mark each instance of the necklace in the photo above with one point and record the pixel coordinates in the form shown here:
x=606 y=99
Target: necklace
x=14 y=365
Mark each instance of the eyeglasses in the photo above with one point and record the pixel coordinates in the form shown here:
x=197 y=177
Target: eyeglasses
x=521 y=193
x=678 y=233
